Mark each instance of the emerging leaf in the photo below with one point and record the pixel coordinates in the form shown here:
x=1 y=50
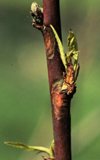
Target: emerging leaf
x=71 y=41
x=29 y=148
x=52 y=155
x=73 y=49
x=61 y=49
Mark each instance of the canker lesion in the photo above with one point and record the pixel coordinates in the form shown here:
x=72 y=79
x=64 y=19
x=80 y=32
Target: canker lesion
x=58 y=99
x=62 y=92
x=61 y=97
x=49 y=41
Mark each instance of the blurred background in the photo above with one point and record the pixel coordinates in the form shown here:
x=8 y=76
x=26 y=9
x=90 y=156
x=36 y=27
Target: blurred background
x=25 y=111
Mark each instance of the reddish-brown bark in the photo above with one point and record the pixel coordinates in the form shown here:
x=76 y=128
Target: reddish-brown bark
x=60 y=99
x=51 y=12
x=61 y=127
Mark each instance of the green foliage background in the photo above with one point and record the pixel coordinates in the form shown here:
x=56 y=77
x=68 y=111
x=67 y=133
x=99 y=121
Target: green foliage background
x=25 y=112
